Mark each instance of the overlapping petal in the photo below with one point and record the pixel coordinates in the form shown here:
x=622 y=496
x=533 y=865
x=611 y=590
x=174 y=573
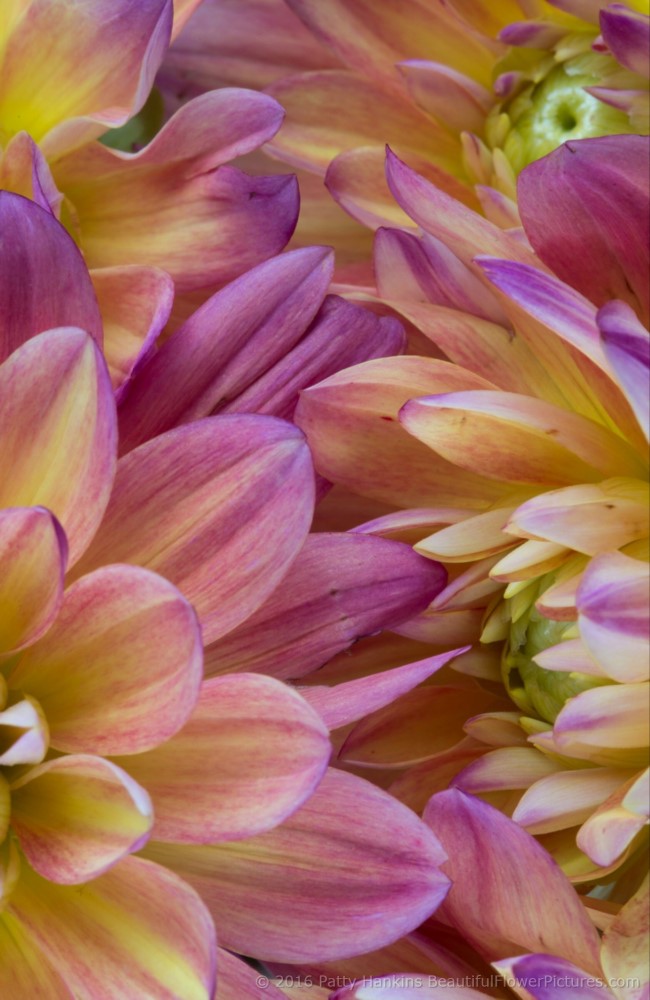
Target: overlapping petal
x=33 y=554
x=627 y=346
x=77 y=815
x=250 y=754
x=119 y=671
x=340 y=587
x=327 y=868
x=24 y=970
x=58 y=431
x=138 y=928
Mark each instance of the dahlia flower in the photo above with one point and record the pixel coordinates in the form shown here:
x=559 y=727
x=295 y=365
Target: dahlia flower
x=508 y=898
x=466 y=93
x=71 y=73
x=113 y=744
x=524 y=454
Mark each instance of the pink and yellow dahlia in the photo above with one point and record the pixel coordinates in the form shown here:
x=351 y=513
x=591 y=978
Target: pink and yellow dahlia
x=522 y=447
x=466 y=93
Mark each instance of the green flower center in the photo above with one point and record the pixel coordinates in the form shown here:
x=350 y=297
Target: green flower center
x=553 y=108
x=535 y=690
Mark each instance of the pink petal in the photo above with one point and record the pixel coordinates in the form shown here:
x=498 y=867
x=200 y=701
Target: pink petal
x=607 y=835
x=350 y=701
x=351 y=423
x=135 y=304
x=402 y=987
x=33 y=554
x=517 y=439
x=138 y=930
x=566 y=798
x=24 y=170
x=351 y=857
x=119 y=671
x=58 y=431
x=613 y=615
x=340 y=588
x=220 y=507
x=507 y=892
x=227 y=344
x=503 y=769
x=44 y=282
x=584 y=209
x=250 y=754
x=627 y=35
x=548 y=977
x=237 y=220
x=239 y=981
x=451 y=97
x=76 y=816
x=613 y=717
x=627 y=347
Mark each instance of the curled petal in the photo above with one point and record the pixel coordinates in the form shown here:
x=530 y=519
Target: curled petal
x=33 y=554
x=77 y=815
x=120 y=669
x=627 y=35
x=611 y=717
x=220 y=507
x=351 y=856
x=250 y=754
x=478 y=838
x=613 y=615
x=237 y=220
x=44 y=282
x=24 y=170
x=592 y=193
x=340 y=588
x=58 y=431
x=127 y=41
x=606 y=835
x=137 y=930
x=548 y=977
x=566 y=798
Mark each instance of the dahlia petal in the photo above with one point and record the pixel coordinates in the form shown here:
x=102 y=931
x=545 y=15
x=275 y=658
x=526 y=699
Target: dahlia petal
x=135 y=304
x=566 y=798
x=480 y=838
x=627 y=347
x=212 y=492
x=319 y=874
x=570 y=656
x=476 y=537
x=44 y=282
x=340 y=588
x=33 y=554
x=238 y=981
x=344 y=703
x=342 y=335
x=517 y=438
x=613 y=615
x=594 y=518
x=548 y=977
x=315 y=131
x=624 y=954
x=218 y=210
x=58 y=431
x=127 y=41
x=266 y=750
x=137 y=930
x=26 y=728
x=505 y=768
x=227 y=344
x=627 y=35
x=528 y=560
x=465 y=232
x=401 y=733
x=607 y=834
x=415 y=786
x=372 y=38
x=612 y=716
x=119 y=670
x=375 y=457
x=24 y=170
x=76 y=816
x=183 y=10
x=449 y=96
x=497 y=729
x=24 y=971
x=593 y=193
